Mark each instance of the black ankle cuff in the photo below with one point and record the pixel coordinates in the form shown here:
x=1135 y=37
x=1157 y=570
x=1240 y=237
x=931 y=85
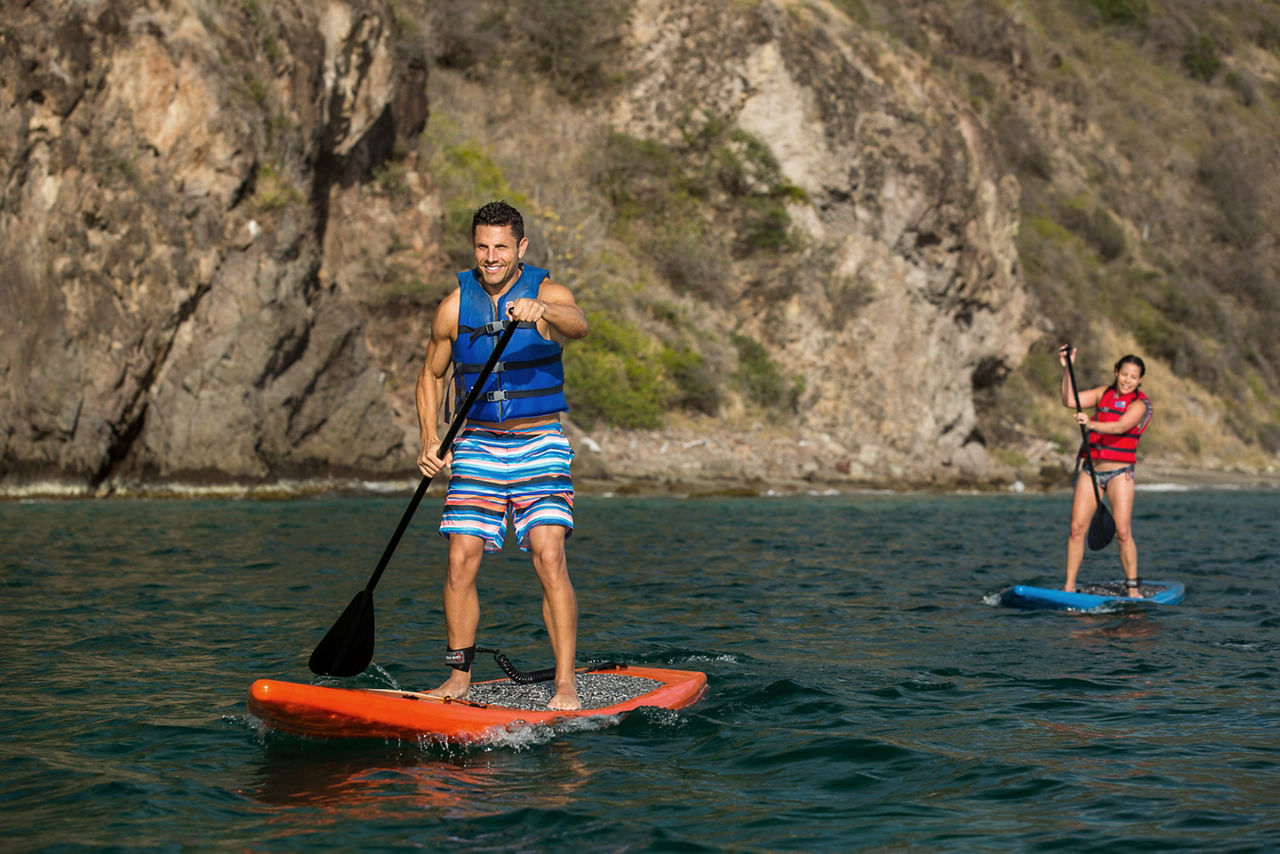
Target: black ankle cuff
x=1133 y=583
x=460 y=659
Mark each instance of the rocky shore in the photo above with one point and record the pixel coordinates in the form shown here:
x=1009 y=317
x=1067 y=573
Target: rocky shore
x=759 y=461
x=687 y=459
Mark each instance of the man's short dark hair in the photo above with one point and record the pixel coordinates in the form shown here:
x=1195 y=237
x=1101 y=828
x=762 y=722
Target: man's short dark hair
x=498 y=213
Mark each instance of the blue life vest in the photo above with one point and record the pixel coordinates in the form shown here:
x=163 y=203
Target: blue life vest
x=528 y=379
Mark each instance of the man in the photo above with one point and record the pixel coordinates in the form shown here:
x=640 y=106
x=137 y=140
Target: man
x=511 y=458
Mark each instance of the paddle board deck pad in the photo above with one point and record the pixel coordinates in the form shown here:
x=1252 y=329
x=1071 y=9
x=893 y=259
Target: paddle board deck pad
x=493 y=707
x=1107 y=596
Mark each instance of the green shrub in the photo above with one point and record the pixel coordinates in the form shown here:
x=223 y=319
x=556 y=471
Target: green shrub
x=1230 y=172
x=468 y=178
x=696 y=387
x=717 y=192
x=1043 y=370
x=1095 y=226
x=1105 y=234
x=573 y=44
x=1156 y=336
x=1121 y=11
x=661 y=210
x=798 y=388
x=389 y=178
x=759 y=377
x=766 y=225
x=272 y=189
x=1202 y=60
x=612 y=375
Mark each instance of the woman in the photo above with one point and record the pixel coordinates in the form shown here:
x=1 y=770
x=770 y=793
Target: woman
x=1121 y=413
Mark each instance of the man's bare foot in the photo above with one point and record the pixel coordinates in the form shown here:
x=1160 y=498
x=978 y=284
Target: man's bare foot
x=456 y=687
x=1071 y=589
x=565 y=698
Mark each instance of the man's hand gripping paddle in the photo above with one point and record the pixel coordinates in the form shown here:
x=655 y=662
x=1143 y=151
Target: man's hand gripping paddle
x=1102 y=528
x=347 y=648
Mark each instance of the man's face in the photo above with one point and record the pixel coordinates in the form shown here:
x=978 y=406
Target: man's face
x=497 y=254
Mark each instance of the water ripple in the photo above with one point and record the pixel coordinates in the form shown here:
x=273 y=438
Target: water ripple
x=864 y=690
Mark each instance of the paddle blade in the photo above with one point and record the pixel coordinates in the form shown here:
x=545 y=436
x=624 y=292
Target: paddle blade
x=1101 y=529
x=347 y=649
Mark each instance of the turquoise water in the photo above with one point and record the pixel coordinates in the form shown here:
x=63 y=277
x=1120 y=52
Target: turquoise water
x=863 y=693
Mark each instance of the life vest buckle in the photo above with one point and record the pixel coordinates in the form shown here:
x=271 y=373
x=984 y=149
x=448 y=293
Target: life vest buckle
x=497 y=396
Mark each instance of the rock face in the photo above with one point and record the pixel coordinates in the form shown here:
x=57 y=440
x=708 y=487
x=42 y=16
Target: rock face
x=171 y=172
x=167 y=172
x=914 y=296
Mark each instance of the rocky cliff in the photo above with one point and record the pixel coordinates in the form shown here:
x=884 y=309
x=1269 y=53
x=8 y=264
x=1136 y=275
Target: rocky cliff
x=167 y=174
x=224 y=227
x=909 y=291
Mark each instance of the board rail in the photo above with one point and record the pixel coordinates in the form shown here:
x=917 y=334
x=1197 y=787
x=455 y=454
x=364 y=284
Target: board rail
x=1108 y=596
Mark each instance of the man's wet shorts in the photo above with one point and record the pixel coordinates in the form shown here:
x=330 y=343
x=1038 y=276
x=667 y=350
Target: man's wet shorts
x=519 y=474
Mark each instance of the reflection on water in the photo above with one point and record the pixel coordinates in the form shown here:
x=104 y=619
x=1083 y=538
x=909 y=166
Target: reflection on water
x=1123 y=625
x=371 y=779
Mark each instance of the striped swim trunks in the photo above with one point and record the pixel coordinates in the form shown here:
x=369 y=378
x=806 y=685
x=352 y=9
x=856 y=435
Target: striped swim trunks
x=519 y=475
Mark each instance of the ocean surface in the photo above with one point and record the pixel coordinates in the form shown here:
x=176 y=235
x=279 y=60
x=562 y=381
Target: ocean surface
x=864 y=691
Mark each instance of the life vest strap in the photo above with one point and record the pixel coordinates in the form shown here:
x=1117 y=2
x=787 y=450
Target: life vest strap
x=499 y=367
x=504 y=394
x=493 y=327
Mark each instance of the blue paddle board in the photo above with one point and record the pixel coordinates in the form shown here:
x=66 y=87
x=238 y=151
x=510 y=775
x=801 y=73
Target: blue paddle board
x=1107 y=596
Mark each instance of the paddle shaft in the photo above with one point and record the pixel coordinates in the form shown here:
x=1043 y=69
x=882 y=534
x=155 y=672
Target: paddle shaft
x=1084 y=431
x=347 y=648
x=458 y=420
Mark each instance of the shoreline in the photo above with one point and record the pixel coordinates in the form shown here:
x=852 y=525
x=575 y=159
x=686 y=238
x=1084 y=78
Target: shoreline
x=1152 y=478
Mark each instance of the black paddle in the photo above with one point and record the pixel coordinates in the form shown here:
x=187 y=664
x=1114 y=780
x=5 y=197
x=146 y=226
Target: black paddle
x=347 y=648
x=1103 y=526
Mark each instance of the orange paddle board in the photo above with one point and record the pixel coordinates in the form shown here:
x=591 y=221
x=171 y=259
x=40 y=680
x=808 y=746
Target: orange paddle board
x=327 y=712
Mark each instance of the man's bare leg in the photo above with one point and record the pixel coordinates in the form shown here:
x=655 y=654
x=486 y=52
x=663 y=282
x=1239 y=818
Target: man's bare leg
x=461 y=608
x=559 y=610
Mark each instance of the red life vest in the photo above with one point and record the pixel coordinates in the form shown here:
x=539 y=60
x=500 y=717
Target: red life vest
x=1121 y=447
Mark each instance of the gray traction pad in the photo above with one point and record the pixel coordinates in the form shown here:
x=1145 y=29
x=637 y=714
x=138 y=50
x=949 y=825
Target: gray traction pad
x=595 y=690
x=1116 y=588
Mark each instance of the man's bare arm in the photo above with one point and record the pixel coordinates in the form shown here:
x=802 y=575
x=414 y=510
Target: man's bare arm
x=555 y=311
x=430 y=389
